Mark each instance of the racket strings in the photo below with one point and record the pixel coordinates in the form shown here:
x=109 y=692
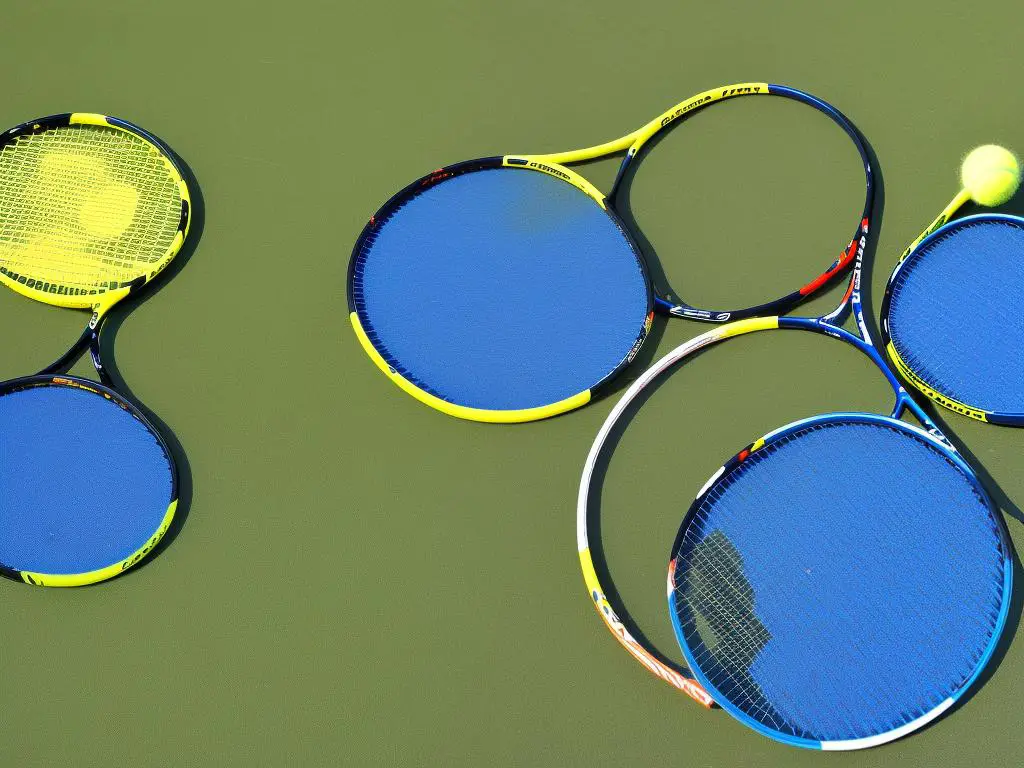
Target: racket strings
x=720 y=602
x=499 y=289
x=720 y=605
x=954 y=314
x=360 y=302
x=359 y=299
x=85 y=209
x=834 y=604
x=84 y=483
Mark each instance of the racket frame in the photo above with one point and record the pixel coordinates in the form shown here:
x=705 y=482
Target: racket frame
x=116 y=399
x=100 y=302
x=647 y=656
x=939 y=229
x=555 y=164
x=400 y=376
x=931 y=436
x=692 y=682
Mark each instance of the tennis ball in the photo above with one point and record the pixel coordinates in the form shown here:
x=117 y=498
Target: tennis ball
x=991 y=174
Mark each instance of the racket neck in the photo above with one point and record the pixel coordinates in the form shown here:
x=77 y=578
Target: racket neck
x=962 y=197
x=89 y=339
x=904 y=402
x=589 y=153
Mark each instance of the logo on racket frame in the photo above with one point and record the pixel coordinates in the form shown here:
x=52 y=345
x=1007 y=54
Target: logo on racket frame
x=656 y=668
x=703 y=314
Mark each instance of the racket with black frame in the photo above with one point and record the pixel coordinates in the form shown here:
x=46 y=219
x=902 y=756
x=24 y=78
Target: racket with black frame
x=91 y=209
x=509 y=289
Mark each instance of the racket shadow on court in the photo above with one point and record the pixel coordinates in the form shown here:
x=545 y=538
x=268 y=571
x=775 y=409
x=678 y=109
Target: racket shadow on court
x=108 y=342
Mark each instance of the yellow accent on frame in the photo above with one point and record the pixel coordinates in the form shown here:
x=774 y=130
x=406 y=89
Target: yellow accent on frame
x=538 y=163
x=554 y=163
x=462 y=411
x=91 y=577
x=683 y=108
x=636 y=650
x=739 y=327
x=962 y=197
x=919 y=384
x=589 y=574
x=86 y=211
x=89 y=118
x=98 y=303
x=633 y=141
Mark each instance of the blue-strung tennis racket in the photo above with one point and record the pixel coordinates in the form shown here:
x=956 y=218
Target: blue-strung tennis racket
x=839 y=582
x=508 y=288
x=950 y=318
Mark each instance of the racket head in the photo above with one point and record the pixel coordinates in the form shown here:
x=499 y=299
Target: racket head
x=951 y=320
x=839 y=266
x=501 y=289
x=528 y=358
x=88 y=486
x=91 y=206
x=796 y=588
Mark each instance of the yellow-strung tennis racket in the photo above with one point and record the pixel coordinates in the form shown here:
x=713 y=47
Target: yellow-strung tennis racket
x=91 y=209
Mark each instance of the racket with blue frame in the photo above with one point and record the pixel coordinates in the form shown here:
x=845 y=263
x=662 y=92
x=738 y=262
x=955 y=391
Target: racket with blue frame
x=509 y=289
x=91 y=209
x=838 y=583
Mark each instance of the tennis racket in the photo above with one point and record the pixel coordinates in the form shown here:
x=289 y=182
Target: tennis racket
x=950 y=322
x=91 y=209
x=839 y=582
x=508 y=289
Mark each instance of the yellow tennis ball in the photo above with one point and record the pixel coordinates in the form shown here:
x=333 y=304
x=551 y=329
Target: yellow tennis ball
x=991 y=174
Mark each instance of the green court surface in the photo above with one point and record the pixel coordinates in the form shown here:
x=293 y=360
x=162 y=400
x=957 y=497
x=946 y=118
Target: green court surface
x=360 y=580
